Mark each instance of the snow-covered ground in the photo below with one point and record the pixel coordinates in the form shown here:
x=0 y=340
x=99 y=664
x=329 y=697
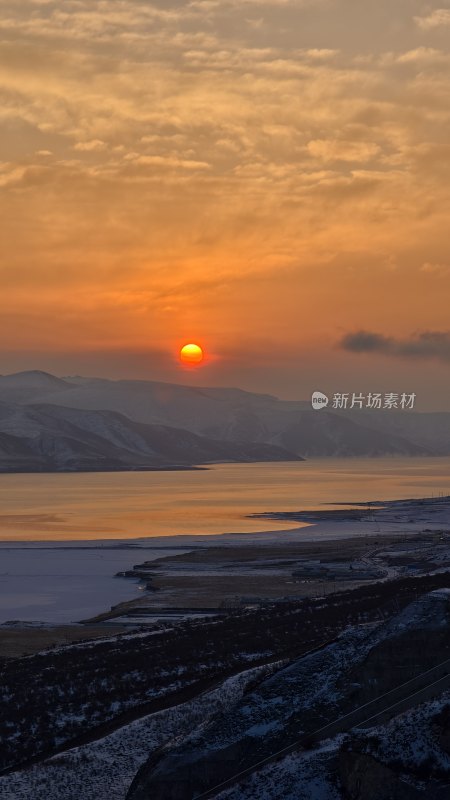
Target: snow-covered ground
x=410 y=739
x=205 y=726
x=303 y=696
x=104 y=769
x=300 y=776
x=389 y=518
x=314 y=679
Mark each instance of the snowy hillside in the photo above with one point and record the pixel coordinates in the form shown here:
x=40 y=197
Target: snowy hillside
x=319 y=690
x=51 y=438
x=236 y=415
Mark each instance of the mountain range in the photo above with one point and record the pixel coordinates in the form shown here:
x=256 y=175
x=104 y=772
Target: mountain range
x=48 y=438
x=73 y=423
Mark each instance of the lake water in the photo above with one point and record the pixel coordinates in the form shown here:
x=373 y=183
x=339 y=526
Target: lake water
x=61 y=584
x=59 y=534
x=139 y=504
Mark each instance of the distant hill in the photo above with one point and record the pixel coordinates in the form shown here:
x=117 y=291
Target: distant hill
x=231 y=415
x=48 y=438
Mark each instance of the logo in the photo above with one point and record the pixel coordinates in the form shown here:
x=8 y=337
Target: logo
x=319 y=401
x=374 y=400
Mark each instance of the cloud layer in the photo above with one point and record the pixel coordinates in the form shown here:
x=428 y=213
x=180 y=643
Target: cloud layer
x=428 y=344
x=214 y=167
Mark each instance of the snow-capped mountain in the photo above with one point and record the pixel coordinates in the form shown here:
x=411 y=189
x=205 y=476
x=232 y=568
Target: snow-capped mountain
x=237 y=415
x=43 y=437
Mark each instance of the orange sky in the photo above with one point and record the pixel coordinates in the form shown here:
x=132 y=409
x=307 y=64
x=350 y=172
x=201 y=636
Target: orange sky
x=264 y=176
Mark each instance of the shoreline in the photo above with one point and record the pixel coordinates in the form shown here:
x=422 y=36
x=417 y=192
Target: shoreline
x=327 y=550
x=323 y=521
x=338 y=549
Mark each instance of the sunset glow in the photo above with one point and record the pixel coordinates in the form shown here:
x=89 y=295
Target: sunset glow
x=259 y=171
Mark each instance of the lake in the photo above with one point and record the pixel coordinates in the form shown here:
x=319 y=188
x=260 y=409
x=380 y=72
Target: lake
x=59 y=585
x=127 y=505
x=59 y=534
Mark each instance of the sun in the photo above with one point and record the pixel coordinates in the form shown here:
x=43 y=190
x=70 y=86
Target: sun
x=191 y=354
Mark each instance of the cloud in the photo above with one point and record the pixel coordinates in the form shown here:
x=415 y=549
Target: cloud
x=366 y=342
x=89 y=147
x=171 y=162
x=438 y=18
x=294 y=153
x=424 y=55
x=425 y=345
x=440 y=270
x=221 y=5
x=341 y=150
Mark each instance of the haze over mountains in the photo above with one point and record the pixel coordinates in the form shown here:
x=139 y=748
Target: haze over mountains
x=50 y=423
